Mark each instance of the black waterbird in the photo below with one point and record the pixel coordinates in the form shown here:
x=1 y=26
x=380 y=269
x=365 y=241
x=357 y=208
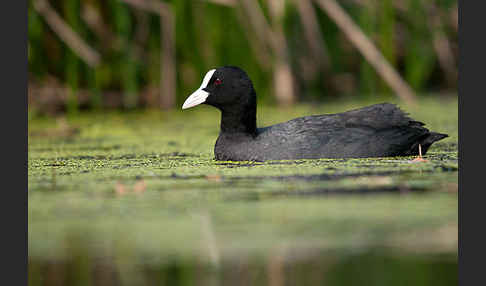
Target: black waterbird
x=379 y=130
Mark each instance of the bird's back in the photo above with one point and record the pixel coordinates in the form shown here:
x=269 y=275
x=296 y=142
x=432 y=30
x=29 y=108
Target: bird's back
x=378 y=130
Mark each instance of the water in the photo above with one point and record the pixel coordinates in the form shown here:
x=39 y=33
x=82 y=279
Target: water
x=137 y=199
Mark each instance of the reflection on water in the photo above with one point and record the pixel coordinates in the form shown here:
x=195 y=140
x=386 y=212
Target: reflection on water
x=371 y=268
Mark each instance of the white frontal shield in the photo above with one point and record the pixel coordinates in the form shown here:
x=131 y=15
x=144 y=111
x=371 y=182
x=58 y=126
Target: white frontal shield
x=199 y=96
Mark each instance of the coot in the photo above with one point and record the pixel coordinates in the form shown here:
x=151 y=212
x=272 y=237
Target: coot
x=379 y=130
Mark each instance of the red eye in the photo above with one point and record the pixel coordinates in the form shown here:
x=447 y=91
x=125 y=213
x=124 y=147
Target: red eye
x=217 y=82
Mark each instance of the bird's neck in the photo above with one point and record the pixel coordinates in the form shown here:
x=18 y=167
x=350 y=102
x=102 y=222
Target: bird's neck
x=239 y=121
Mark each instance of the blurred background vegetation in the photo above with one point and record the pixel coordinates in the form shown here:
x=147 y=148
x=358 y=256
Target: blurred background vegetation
x=127 y=54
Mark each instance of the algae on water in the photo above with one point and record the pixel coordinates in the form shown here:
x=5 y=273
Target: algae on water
x=82 y=173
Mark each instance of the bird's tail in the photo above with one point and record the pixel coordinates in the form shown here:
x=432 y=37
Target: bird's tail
x=426 y=141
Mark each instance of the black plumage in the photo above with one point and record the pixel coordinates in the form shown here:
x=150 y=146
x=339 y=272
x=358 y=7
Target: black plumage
x=379 y=130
